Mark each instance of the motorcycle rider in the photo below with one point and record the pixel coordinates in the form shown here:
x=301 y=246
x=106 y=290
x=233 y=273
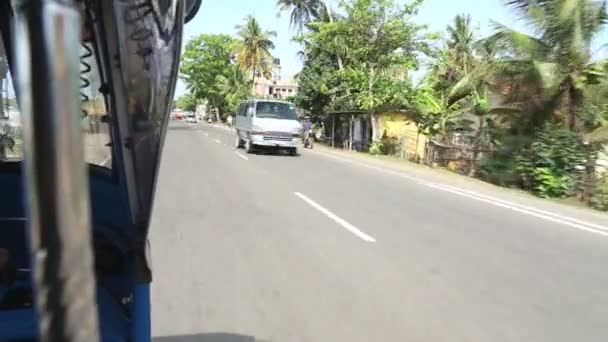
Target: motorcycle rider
x=307 y=130
x=229 y=120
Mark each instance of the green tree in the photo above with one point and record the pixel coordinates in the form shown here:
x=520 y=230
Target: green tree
x=557 y=59
x=474 y=91
x=305 y=12
x=456 y=58
x=320 y=88
x=460 y=43
x=234 y=87
x=206 y=57
x=381 y=44
x=253 y=49
x=433 y=113
x=550 y=164
x=186 y=102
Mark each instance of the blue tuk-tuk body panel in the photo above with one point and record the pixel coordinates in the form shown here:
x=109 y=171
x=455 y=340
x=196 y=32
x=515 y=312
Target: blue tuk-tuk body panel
x=123 y=302
x=139 y=92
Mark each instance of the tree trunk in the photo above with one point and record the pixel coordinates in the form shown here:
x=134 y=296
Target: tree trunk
x=375 y=121
x=338 y=58
x=253 y=79
x=417 y=145
x=476 y=147
x=571 y=109
x=372 y=115
x=340 y=64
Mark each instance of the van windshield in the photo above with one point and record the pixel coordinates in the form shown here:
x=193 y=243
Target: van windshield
x=276 y=110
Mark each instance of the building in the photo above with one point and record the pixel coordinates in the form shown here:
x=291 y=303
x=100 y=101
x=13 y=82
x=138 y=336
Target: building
x=276 y=89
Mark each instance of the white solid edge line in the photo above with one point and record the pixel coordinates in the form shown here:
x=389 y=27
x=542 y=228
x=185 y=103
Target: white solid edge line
x=217 y=141
x=565 y=220
x=521 y=210
x=335 y=218
x=240 y=155
x=524 y=208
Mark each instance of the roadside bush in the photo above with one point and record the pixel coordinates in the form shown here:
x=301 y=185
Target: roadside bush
x=384 y=146
x=499 y=169
x=500 y=166
x=600 y=195
x=548 y=166
x=375 y=147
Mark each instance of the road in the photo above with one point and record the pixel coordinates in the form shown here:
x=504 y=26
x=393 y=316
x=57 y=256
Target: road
x=249 y=247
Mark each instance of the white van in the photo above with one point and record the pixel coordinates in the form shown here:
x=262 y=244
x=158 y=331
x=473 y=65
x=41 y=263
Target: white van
x=267 y=124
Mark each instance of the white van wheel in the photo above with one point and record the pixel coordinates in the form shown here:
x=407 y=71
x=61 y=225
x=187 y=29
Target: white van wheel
x=248 y=146
x=238 y=143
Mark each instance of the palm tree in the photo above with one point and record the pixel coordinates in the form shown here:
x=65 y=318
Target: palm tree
x=253 y=52
x=435 y=115
x=456 y=59
x=558 y=58
x=484 y=71
x=233 y=87
x=302 y=11
x=460 y=43
x=475 y=88
x=195 y=88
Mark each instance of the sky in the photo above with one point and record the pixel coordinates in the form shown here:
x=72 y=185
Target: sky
x=221 y=16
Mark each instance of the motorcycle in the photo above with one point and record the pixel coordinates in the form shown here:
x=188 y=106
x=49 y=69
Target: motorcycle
x=307 y=140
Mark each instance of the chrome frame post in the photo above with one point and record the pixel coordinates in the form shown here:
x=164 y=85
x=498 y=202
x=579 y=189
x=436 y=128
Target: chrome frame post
x=46 y=54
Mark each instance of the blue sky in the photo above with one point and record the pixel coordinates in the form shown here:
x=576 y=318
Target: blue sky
x=221 y=16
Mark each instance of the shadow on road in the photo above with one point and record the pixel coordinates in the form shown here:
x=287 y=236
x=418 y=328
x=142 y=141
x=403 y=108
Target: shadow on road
x=271 y=152
x=181 y=127
x=208 y=337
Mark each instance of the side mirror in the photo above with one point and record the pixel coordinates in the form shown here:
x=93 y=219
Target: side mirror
x=192 y=7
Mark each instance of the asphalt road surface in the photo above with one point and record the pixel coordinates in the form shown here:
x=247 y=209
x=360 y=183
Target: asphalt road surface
x=256 y=247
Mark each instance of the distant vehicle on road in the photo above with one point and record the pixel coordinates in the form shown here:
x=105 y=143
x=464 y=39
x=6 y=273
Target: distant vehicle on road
x=178 y=115
x=269 y=124
x=191 y=118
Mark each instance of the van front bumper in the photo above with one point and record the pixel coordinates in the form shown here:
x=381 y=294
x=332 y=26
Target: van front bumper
x=275 y=141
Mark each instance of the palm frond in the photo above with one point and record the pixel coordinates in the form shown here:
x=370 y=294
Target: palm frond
x=464 y=87
x=302 y=11
x=548 y=74
x=255 y=45
x=519 y=43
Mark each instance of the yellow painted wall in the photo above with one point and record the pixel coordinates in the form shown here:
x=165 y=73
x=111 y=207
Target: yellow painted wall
x=399 y=126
